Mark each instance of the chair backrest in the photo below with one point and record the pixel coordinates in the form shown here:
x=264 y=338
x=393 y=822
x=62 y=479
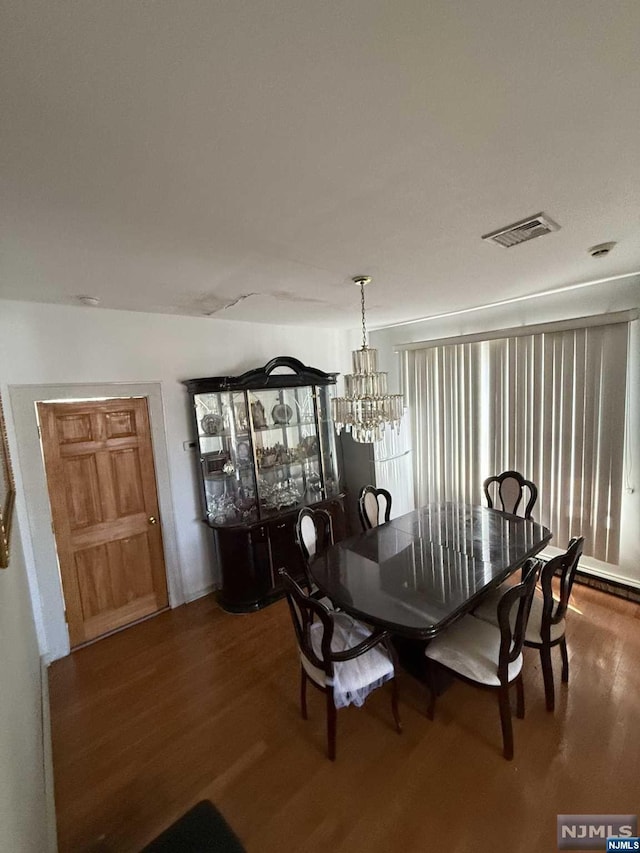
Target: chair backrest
x=509 y=487
x=304 y=611
x=565 y=566
x=314 y=533
x=512 y=631
x=369 y=506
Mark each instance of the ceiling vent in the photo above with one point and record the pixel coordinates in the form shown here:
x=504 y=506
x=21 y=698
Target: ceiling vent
x=519 y=232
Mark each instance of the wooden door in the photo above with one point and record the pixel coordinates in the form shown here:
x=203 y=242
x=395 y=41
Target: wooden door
x=102 y=488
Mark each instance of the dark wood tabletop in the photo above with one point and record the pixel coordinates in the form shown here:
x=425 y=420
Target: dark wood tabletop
x=418 y=573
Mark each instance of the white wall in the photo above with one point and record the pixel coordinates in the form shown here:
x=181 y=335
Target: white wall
x=596 y=299
x=53 y=344
x=23 y=803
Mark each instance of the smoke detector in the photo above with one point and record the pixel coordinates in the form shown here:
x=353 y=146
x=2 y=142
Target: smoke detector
x=89 y=300
x=601 y=249
x=519 y=232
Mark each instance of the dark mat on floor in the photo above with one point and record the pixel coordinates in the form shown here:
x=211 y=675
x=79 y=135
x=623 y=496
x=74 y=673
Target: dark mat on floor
x=201 y=830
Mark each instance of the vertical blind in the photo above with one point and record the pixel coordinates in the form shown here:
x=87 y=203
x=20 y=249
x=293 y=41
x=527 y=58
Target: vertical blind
x=550 y=405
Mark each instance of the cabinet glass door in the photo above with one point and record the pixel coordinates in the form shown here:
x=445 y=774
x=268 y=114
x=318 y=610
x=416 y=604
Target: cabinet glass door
x=328 y=444
x=226 y=458
x=286 y=447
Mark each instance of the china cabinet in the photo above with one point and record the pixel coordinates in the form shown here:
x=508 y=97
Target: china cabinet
x=265 y=447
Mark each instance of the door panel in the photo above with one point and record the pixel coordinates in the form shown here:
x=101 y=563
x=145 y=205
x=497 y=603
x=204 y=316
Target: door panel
x=92 y=570
x=83 y=495
x=135 y=553
x=101 y=481
x=74 y=428
x=127 y=481
x=120 y=425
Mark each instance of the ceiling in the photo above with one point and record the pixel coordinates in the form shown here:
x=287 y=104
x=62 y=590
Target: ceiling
x=243 y=159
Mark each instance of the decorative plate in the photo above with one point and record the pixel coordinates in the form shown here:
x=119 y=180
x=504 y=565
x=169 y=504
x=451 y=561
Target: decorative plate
x=212 y=424
x=243 y=450
x=281 y=413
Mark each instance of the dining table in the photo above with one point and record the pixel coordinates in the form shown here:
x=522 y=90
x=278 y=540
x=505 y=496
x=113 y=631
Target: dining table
x=418 y=573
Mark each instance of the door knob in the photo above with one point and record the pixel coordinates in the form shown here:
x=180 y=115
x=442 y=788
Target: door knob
x=153 y=519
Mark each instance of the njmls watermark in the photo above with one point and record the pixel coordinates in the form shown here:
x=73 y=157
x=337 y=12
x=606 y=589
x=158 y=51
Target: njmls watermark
x=615 y=844
x=591 y=831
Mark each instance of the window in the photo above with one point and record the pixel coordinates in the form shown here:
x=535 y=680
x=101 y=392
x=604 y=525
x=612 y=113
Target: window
x=550 y=404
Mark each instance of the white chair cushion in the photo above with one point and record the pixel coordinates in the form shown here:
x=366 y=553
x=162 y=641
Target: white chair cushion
x=534 y=624
x=371 y=508
x=471 y=648
x=309 y=535
x=510 y=491
x=487 y=610
x=353 y=679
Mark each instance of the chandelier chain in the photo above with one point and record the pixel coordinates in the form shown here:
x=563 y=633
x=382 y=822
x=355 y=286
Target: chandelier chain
x=364 y=325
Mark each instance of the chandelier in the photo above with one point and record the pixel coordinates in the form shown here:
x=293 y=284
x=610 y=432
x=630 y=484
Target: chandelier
x=366 y=409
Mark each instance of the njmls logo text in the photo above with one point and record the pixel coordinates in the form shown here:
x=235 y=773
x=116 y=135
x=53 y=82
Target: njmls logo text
x=616 y=844
x=590 y=831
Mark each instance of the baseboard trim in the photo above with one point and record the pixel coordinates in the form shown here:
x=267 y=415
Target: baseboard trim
x=47 y=756
x=200 y=593
x=621 y=590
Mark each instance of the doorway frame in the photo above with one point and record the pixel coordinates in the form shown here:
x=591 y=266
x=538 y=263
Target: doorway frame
x=33 y=498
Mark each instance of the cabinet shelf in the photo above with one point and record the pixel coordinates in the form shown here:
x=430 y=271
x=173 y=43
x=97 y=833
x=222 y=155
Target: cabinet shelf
x=294 y=462
x=290 y=425
x=220 y=475
x=244 y=434
x=226 y=434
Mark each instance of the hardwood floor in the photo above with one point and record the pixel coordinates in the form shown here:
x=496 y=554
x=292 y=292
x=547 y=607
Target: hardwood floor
x=199 y=704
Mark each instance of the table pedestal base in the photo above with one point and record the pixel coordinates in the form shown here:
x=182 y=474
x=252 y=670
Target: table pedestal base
x=412 y=660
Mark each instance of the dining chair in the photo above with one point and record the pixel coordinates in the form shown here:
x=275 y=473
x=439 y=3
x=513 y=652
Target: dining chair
x=339 y=655
x=509 y=489
x=547 y=622
x=314 y=533
x=547 y=625
x=369 y=508
x=486 y=655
